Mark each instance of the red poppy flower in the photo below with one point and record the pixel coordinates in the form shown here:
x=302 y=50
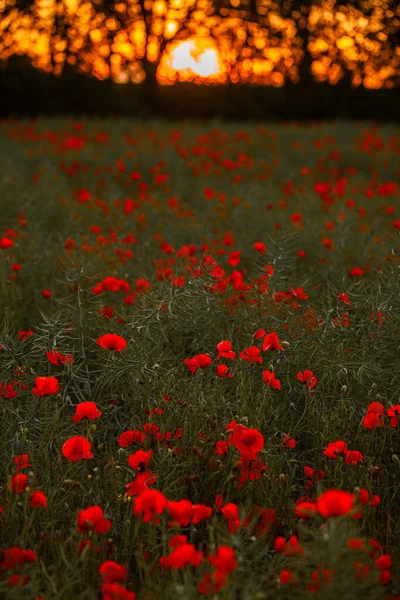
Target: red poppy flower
x=21 y=461
x=140 y=459
x=248 y=441
x=112 y=341
x=224 y=559
x=77 y=448
x=305 y=510
x=223 y=372
x=383 y=562
x=356 y=272
x=200 y=512
x=38 y=498
x=271 y=342
x=270 y=379
x=308 y=378
x=127 y=438
x=260 y=247
x=335 y=448
x=56 y=358
x=16 y=557
x=225 y=350
x=86 y=410
x=372 y=420
x=45 y=386
x=19 y=483
x=231 y=514
x=180 y=512
x=149 y=504
x=335 y=503
x=6 y=243
x=114 y=591
x=259 y=334
x=182 y=556
x=353 y=457
x=92 y=519
x=288 y=442
x=287 y=577
x=252 y=355
x=200 y=361
x=112 y=572
x=394 y=414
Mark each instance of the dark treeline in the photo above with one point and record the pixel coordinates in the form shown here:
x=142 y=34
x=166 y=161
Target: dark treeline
x=30 y=92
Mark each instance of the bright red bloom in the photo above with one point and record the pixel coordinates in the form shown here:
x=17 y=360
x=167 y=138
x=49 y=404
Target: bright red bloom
x=6 y=243
x=259 y=334
x=221 y=447
x=38 y=498
x=113 y=572
x=224 y=559
x=127 y=438
x=394 y=414
x=287 y=577
x=288 y=442
x=225 y=350
x=231 y=514
x=140 y=483
x=223 y=372
x=356 y=272
x=86 y=410
x=16 y=557
x=200 y=361
x=23 y=335
x=251 y=354
x=180 y=512
x=77 y=448
x=114 y=591
x=308 y=378
x=182 y=556
x=19 y=483
x=149 y=504
x=92 y=519
x=353 y=457
x=305 y=510
x=270 y=379
x=21 y=461
x=140 y=459
x=372 y=420
x=45 y=386
x=271 y=342
x=56 y=358
x=335 y=448
x=248 y=441
x=200 y=512
x=335 y=503
x=383 y=562
x=260 y=247
x=112 y=341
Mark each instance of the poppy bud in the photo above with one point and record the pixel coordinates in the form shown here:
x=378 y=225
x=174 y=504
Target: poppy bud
x=378 y=397
x=285 y=343
x=92 y=428
x=395 y=458
x=344 y=389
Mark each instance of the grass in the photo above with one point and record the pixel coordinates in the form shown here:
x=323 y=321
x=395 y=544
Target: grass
x=148 y=231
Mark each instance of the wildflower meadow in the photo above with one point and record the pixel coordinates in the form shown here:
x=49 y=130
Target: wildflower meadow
x=199 y=360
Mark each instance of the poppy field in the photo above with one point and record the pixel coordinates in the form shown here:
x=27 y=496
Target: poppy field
x=199 y=360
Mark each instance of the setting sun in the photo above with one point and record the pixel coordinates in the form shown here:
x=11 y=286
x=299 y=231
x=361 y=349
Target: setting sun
x=192 y=57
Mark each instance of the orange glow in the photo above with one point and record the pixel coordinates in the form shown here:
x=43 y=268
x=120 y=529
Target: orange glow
x=195 y=56
x=195 y=40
